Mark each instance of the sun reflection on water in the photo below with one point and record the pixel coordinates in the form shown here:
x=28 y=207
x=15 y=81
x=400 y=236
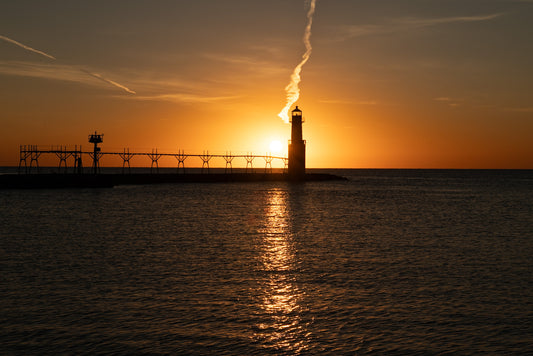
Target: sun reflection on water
x=279 y=297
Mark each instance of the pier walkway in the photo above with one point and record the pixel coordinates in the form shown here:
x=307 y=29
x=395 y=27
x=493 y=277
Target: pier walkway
x=30 y=154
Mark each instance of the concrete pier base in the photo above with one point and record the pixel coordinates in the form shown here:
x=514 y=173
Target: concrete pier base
x=10 y=181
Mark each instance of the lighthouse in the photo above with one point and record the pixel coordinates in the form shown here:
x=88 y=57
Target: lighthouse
x=296 y=147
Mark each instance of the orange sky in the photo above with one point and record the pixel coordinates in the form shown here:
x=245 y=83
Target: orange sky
x=421 y=85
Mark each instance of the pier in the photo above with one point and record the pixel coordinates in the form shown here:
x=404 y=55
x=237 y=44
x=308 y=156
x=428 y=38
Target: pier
x=70 y=159
x=76 y=175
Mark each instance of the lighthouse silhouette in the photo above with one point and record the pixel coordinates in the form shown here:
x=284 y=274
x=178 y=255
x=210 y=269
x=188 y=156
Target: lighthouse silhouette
x=296 y=147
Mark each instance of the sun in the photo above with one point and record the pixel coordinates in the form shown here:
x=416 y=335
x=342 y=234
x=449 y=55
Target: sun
x=276 y=146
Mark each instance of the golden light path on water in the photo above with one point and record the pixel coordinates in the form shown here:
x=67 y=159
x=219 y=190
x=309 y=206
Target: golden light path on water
x=280 y=299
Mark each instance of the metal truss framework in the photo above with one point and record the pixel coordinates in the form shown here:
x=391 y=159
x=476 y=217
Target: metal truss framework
x=32 y=153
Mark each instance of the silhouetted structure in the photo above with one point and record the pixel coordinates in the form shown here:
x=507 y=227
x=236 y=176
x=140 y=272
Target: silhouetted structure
x=32 y=153
x=96 y=139
x=296 y=147
x=294 y=166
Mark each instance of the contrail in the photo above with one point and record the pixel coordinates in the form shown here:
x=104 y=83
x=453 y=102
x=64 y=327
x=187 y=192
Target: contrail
x=293 y=91
x=98 y=76
x=108 y=81
x=26 y=47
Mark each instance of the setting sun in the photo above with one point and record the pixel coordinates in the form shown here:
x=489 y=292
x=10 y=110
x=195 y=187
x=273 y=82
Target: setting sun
x=276 y=146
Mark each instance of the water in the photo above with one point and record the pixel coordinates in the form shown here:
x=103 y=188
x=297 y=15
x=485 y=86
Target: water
x=389 y=262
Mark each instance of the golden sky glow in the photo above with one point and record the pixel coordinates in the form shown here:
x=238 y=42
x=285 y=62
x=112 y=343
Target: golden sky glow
x=389 y=84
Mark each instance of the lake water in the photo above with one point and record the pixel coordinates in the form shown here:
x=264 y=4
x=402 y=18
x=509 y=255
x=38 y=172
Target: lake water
x=388 y=262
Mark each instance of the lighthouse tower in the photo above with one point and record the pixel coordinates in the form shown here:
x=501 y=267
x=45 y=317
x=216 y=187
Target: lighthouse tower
x=296 y=147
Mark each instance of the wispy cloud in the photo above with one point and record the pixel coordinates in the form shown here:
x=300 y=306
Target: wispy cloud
x=46 y=71
x=28 y=48
x=156 y=90
x=351 y=102
x=186 y=98
x=350 y=31
x=55 y=71
x=335 y=101
x=448 y=101
x=417 y=22
x=167 y=89
x=522 y=109
x=403 y=24
x=252 y=64
x=63 y=72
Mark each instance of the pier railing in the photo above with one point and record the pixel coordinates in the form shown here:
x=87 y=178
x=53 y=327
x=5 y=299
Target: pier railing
x=30 y=154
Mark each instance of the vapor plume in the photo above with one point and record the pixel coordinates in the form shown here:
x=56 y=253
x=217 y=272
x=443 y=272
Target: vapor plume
x=108 y=81
x=28 y=48
x=293 y=90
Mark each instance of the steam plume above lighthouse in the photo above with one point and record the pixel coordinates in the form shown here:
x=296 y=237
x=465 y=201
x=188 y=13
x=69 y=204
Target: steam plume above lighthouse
x=292 y=89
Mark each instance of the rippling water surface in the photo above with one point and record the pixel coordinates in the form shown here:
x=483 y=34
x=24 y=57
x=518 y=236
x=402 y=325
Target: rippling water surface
x=394 y=262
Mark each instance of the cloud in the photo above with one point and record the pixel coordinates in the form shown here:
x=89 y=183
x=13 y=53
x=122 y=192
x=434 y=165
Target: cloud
x=186 y=98
x=449 y=101
x=523 y=109
x=55 y=71
x=44 y=72
x=342 y=102
x=414 y=22
x=28 y=48
x=335 y=101
x=157 y=90
x=351 y=31
x=257 y=66
x=371 y=102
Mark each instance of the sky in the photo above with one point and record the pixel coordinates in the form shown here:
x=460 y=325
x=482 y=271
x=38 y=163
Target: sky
x=388 y=84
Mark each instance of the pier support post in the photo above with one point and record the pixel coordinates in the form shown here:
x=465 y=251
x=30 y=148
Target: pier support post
x=249 y=162
x=24 y=154
x=78 y=168
x=268 y=163
x=62 y=153
x=126 y=157
x=34 y=154
x=181 y=157
x=154 y=156
x=205 y=160
x=228 y=158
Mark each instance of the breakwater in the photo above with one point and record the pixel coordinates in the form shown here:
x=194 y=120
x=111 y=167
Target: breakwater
x=55 y=180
